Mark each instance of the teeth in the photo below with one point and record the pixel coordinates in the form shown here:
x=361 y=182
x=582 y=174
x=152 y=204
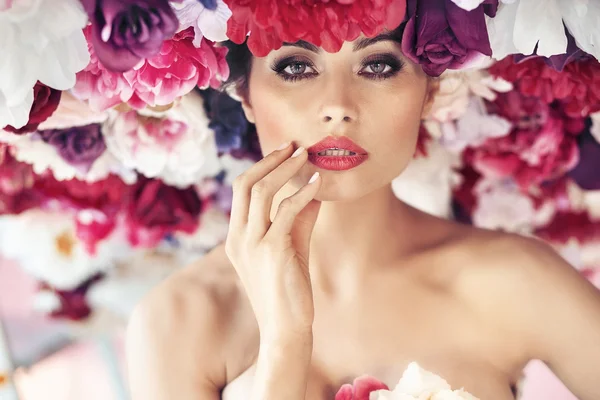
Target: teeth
x=336 y=153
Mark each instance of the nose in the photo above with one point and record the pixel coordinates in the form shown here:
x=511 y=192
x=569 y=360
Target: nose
x=338 y=104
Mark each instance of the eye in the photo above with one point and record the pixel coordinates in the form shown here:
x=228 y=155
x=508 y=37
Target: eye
x=381 y=66
x=292 y=69
x=378 y=68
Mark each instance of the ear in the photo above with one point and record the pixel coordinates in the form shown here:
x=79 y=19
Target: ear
x=433 y=86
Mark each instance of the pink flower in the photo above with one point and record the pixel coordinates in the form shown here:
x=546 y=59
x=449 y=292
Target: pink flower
x=360 y=388
x=530 y=156
x=323 y=23
x=158 y=81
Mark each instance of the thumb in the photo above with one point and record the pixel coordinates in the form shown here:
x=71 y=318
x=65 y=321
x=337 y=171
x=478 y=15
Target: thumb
x=304 y=225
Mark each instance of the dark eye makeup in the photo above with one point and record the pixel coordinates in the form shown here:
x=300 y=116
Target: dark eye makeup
x=375 y=67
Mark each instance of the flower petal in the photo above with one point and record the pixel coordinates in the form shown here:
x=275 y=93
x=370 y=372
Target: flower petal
x=547 y=32
x=581 y=18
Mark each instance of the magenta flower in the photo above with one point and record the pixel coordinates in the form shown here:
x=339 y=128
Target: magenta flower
x=439 y=35
x=126 y=31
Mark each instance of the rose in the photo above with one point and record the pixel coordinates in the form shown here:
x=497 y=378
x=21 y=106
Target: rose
x=45 y=102
x=126 y=31
x=79 y=146
x=440 y=35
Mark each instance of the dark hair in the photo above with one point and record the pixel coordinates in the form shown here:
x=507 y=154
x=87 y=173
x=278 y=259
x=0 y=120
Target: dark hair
x=239 y=59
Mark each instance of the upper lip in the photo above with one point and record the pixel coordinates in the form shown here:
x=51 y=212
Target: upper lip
x=341 y=143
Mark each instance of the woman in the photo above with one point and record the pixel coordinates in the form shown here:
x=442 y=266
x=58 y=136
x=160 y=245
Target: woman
x=321 y=282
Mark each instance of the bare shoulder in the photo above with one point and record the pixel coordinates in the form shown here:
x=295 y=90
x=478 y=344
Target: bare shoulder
x=184 y=326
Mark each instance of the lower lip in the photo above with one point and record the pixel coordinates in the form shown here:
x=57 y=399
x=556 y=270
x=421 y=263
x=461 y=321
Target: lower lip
x=337 y=163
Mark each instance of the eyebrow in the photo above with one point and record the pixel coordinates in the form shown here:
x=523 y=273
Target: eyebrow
x=360 y=44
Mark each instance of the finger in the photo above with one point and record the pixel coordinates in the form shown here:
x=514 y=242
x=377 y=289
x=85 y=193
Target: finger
x=242 y=186
x=263 y=192
x=296 y=216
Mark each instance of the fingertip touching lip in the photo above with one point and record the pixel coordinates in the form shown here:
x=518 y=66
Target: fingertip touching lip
x=339 y=142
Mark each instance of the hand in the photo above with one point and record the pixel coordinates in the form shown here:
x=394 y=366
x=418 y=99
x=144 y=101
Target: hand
x=271 y=258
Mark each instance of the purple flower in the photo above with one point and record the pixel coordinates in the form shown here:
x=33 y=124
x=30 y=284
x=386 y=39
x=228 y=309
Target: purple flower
x=585 y=173
x=80 y=146
x=440 y=35
x=127 y=31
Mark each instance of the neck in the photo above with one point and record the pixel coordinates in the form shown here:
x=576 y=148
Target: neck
x=350 y=238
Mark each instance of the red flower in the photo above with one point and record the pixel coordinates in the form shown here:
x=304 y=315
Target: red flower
x=577 y=87
x=156 y=209
x=422 y=141
x=45 y=102
x=73 y=303
x=568 y=225
x=360 y=389
x=530 y=156
x=323 y=23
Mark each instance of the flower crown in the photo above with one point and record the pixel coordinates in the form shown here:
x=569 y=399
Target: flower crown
x=109 y=112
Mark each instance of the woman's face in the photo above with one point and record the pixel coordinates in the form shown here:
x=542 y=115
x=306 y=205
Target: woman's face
x=368 y=91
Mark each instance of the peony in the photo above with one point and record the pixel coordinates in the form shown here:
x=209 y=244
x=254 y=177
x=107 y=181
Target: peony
x=419 y=384
x=156 y=209
x=512 y=32
x=473 y=128
x=42 y=156
x=360 y=389
x=177 y=147
x=72 y=112
x=227 y=120
x=270 y=23
x=45 y=102
x=530 y=156
x=159 y=81
x=209 y=21
x=80 y=146
x=44 y=42
x=59 y=258
x=585 y=173
x=124 y=32
x=440 y=35
x=70 y=304
x=455 y=89
x=577 y=88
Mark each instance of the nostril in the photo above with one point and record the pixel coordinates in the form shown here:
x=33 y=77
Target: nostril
x=346 y=119
x=327 y=119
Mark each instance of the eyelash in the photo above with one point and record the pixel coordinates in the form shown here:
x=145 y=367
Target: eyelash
x=389 y=60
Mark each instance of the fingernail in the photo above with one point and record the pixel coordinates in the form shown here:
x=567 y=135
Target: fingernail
x=298 y=151
x=283 y=146
x=313 y=178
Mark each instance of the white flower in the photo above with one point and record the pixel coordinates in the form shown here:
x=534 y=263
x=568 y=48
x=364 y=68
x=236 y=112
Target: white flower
x=419 y=384
x=44 y=244
x=40 y=40
x=456 y=87
x=212 y=230
x=234 y=167
x=72 y=112
x=427 y=182
x=124 y=286
x=31 y=149
x=473 y=128
x=595 y=129
x=177 y=146
x=501 y=205
x=211 y=24
x=511 y=30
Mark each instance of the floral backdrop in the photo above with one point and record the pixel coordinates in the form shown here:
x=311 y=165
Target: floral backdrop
x=117 y=148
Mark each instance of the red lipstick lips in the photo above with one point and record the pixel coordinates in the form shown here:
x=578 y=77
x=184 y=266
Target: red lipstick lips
x=336 y=154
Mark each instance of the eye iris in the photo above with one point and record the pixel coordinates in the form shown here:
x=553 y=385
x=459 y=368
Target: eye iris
x=378 y=67
x=297 y=68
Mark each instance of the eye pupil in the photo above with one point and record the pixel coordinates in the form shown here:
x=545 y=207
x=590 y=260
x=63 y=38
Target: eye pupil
x=378 y=67
x=297 y=68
